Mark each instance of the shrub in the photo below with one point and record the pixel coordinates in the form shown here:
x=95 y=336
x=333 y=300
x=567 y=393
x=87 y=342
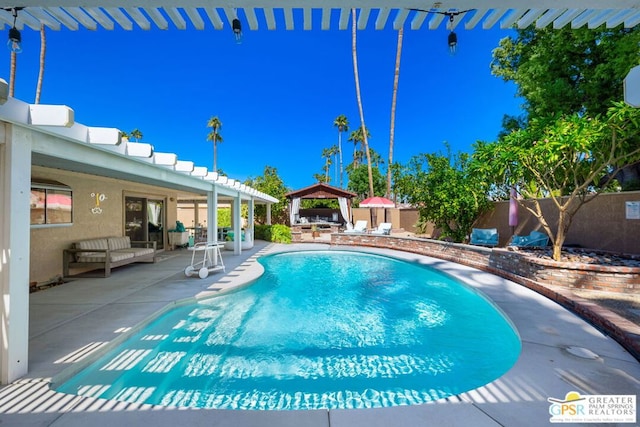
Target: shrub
x=277 y=233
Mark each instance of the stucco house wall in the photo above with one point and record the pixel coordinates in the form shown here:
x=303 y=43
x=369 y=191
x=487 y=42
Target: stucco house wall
x=47 y=242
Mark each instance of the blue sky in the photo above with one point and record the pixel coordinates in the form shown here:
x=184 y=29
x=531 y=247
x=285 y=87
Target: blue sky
x=277 y=94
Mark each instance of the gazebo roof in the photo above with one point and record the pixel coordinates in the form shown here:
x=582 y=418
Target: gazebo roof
x=320 y=191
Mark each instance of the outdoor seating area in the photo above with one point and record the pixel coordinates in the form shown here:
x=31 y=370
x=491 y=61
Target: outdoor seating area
x=147 y=287
x=246 y=240
x=359 y=227
x=383 y=229
x=535 y=239
x=107 y=253
x=484 y=237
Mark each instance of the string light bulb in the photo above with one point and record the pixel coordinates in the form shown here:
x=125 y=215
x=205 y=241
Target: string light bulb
x=14 y=44
x=237 y=30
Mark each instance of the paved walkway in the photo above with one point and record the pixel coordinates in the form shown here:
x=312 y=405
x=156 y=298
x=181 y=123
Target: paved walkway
x=560 y=353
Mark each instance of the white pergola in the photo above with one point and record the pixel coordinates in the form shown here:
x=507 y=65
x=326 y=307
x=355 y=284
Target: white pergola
x=21 y=121
x=310 y=14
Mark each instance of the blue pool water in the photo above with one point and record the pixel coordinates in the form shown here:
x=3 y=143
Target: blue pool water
x=328 y=329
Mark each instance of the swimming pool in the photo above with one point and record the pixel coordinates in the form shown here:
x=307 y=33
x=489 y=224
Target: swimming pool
x=320 y=329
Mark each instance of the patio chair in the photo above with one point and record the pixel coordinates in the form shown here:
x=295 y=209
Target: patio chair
x=535 y=239
x=484 y=236
x=384 y=228
x=360 y=227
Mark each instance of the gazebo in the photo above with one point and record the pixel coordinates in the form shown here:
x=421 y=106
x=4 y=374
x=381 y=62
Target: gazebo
x=320 y=191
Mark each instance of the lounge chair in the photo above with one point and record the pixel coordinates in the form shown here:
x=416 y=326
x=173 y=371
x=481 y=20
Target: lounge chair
x=360 y=227
x=484 y=236
x=383 y=229
x=535 y=239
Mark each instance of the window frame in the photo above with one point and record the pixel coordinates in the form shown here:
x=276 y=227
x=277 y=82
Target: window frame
x=56 y=188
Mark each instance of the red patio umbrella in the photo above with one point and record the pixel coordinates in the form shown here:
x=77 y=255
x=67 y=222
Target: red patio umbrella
x=377 y=202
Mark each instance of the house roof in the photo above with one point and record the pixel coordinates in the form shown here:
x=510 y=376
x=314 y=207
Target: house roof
x=320 y=191
x=65 y=144
x=313 y=14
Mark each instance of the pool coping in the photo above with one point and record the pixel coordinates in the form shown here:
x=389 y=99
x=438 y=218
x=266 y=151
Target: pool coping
x=546 y=367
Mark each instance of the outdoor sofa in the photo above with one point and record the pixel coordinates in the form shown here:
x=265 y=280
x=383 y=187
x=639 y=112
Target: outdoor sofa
x=106 y=253
x=484 y=236
x=535 y=239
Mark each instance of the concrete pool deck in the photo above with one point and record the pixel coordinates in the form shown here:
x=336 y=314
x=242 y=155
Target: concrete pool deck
x=560 y=353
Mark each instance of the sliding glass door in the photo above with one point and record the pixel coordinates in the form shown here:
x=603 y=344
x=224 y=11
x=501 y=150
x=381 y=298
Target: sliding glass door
x=144 y=219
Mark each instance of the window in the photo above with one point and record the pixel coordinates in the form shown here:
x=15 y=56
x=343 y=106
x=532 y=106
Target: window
x=51 y=203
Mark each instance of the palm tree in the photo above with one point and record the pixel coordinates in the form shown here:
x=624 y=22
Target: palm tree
x=124 y=135
x=376 y=158
x=392 y=129
x=357 y=80
x=12 y=74
x=327 y=155
x=136 y=134
x=357 y=138
x=43 y=51
x=214 y=136
x=342 y=124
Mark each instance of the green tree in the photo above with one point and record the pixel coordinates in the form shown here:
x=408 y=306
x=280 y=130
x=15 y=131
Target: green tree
x=376 y=159
x=357 y=137
x=570 y=159
x=359 y=180
x=569 y=71
x=342 y=123
x=321 y=177
x=270 y=183
x=327 y=155
x=446 y=190
x=136 y=134
x=214 y=136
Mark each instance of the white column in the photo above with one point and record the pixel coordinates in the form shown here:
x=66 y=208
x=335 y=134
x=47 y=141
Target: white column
x=15 y=192
x=237 y=224
x=268 y=213
x=251 y=220
x=212 y=215
x=196 y=217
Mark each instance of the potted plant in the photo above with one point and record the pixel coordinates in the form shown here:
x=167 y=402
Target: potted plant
x=314 y=231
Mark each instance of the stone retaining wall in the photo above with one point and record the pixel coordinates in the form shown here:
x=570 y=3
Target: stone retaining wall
x=549 y=278
x=506 y=263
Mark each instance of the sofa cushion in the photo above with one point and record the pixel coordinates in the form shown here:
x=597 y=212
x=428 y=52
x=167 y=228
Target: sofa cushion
x=93 y=244
x=116 y=243
x=138 y=251
x=100 y=257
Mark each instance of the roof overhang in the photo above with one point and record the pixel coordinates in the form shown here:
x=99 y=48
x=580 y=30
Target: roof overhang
x=313 y=14
x=57 y=141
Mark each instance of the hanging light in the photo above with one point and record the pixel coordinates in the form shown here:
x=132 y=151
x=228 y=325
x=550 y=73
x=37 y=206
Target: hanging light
x=14 y=44
x=453 y=42
x=452 y=39
x=237 y=30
